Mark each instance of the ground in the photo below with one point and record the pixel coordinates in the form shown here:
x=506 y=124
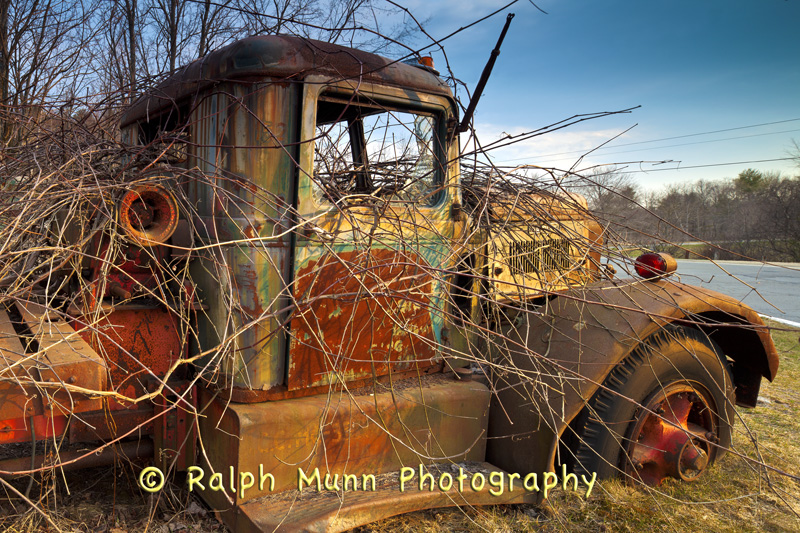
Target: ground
x=756 y=487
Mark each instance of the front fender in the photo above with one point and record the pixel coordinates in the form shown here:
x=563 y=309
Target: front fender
x=550 y=363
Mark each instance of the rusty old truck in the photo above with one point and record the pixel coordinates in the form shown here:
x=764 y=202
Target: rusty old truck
x=298 y=298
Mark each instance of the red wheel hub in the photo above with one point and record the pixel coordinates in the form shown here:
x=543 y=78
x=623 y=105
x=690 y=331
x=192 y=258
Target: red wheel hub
x=673 y=435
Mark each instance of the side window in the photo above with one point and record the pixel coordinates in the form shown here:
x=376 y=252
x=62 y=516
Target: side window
x=363 y=148
x=168 y=135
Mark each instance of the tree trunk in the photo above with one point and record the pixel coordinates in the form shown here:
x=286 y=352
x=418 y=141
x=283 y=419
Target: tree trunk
x=5 y=129
x=130 y=16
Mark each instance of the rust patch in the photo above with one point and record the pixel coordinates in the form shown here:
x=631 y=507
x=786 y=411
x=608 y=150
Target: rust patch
x=136 y=343
x=360 y=314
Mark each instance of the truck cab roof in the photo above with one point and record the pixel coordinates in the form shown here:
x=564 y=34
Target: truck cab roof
x=286 y=59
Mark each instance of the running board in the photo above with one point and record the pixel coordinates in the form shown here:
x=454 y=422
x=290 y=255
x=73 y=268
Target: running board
x=331 y=510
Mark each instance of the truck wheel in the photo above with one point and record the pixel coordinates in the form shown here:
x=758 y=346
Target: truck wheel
x=665 y=411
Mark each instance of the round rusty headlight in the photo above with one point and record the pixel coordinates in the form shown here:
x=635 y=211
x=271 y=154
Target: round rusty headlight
x=148 y=214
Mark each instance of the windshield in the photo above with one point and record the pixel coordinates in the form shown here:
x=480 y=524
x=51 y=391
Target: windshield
x=367 y=149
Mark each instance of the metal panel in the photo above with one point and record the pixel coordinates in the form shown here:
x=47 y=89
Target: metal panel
x=64 y=363
x=245 y=139
x=373 y=431
x=139 y=345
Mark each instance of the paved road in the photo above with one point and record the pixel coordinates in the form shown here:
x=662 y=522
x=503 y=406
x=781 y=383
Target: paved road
x=774 y=290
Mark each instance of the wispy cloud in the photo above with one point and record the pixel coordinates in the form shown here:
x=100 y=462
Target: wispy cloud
x=559 y=149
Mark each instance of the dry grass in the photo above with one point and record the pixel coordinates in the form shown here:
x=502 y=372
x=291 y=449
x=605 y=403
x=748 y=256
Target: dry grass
x=105 y=500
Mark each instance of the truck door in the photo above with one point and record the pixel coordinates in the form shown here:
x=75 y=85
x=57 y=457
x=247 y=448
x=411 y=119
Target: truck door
x=374 y=236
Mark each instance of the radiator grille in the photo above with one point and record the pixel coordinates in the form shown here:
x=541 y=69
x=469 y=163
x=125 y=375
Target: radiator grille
x=538 y=255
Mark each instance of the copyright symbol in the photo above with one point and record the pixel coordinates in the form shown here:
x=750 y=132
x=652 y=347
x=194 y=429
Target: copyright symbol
x=151 y=479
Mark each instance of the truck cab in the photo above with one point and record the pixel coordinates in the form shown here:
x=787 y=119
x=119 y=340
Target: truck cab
x=331 y=184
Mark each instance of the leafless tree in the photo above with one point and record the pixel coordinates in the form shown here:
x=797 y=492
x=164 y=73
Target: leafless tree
x=43 y=57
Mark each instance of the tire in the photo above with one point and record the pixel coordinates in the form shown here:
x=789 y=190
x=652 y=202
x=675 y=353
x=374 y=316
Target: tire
x=665 y=411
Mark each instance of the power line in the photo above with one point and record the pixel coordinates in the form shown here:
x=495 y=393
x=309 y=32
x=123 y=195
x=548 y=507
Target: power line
x=666 y=146
x=702 y=166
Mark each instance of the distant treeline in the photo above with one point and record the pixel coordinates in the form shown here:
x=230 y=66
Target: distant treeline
x=753 y=216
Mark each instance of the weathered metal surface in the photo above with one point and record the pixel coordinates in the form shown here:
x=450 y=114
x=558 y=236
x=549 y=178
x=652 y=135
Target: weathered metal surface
x=138 y=345
x=244 y=139
x=175 y=432
x=113 y=422
x=361 y=314
x=334 y=511
x=57 y=367
x=62 y=354
x=74 y=460
x=49 y=382
x=566 y=352
x=372 y=431
x=282 y=58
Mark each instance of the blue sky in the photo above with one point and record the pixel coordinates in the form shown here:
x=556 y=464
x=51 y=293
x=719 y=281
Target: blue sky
x=693 y=67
